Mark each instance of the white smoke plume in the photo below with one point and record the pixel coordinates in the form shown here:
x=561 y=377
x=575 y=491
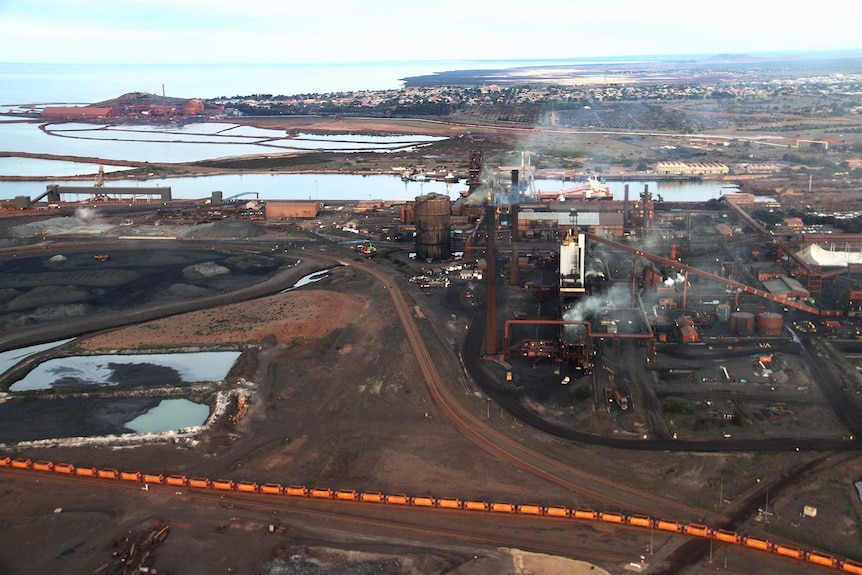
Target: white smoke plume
x=672 y=281
x=86 y=214
x=593 y=305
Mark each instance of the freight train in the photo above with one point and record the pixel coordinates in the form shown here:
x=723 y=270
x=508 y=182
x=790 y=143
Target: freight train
x=400 y=499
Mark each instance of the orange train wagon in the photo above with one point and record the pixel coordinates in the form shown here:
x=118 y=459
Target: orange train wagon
x=346 y=494
x=727 y=536
x=424 y=501
x=130 y=475
x=789 y=551
x=247 y=486
x=43 y=466
x=556 y=511
x=398 y=499
x=5 y=461
x=696 y=529
x=200 y=482
x=476 y=506
x=756 y=543
x=66 y=468
x=530 y=509
x=296 y=491
x=673 y=526
x=371 y=497
x=640 y=521
x=22 y=463
x=612 y=517
x=849 y=566
x=500 y=507
x=321 y=493
x=153 y=478
x=450 y=503
x=585 y=514
x=176 y=480
x=821 y=559
x=86 y=471
x=271 y=488
x=108 y=473
x=223 y=484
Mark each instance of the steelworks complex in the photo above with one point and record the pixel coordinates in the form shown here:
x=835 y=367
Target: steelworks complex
x=633 y=324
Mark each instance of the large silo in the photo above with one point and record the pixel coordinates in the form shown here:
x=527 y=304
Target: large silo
x=769 y=323
x=742 y=323
x=432 y=227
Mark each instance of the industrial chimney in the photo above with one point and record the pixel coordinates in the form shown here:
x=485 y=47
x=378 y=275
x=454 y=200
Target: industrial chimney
x=625 y=207
x=490 y=283
x=515 y=273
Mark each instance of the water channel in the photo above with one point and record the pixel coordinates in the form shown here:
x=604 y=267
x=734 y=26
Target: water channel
x=345 y=187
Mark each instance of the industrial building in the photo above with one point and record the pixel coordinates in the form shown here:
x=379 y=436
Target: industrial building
x=692 y=169
x=286 y=209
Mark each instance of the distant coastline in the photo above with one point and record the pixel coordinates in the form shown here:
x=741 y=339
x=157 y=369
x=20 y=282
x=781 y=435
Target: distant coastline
x=680 y=68
x=28 y=83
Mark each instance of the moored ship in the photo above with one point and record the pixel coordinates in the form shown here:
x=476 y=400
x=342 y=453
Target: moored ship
x=590 y=189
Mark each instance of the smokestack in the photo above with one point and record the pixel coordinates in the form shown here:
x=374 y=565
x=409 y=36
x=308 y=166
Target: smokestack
x=626 y=206
x=516 y=189
x=646 y=206
x=490 y=283
x=515 y=275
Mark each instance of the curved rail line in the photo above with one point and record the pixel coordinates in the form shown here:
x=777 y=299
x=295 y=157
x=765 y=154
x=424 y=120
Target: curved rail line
x=503 y=447
x=695 y=530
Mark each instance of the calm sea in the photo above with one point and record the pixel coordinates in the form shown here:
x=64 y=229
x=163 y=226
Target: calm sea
x=89 y=83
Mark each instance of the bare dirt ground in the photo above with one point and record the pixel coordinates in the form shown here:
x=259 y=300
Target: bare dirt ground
x=292 y=318
x=339 y=402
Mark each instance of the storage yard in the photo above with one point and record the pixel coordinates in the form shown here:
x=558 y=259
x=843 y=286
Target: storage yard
x=597 y=380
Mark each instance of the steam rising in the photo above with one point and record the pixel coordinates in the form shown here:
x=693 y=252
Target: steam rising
x=592 y=306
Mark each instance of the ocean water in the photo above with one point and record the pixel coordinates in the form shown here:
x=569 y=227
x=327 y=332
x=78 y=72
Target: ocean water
x=92 y=83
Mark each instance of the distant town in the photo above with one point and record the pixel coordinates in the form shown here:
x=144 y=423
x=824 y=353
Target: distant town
x=447 y=100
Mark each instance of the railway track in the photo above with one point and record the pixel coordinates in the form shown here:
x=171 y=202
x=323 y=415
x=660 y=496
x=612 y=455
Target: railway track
x=362 y=509
x=355 y=517
x=589 y=485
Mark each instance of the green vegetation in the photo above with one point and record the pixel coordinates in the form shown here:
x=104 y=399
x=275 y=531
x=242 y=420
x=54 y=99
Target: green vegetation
x=678 y=405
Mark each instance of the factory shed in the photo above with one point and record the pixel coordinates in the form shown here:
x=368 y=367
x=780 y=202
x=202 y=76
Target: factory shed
x=764 y=271
x=818 y=256
x=285 y=209
x=786 y=287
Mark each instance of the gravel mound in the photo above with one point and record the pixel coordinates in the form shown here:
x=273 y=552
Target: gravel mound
x=47 y=313
x=8 y=294
x=56 y=226
x=48 y=295
x=224 y=230
x=58 y=259
x=205 y=270
x=251 y=263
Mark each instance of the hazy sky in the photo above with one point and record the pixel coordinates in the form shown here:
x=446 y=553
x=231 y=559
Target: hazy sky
x=191 y=31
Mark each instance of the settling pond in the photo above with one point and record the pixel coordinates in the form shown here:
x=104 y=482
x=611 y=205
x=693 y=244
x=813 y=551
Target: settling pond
x=54 y=418
x=128 y=370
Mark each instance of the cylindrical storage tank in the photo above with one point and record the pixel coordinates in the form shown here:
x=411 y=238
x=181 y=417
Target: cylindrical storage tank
x=722 y=311
x=770 y=323
x=432 y=214
x=742 y=323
